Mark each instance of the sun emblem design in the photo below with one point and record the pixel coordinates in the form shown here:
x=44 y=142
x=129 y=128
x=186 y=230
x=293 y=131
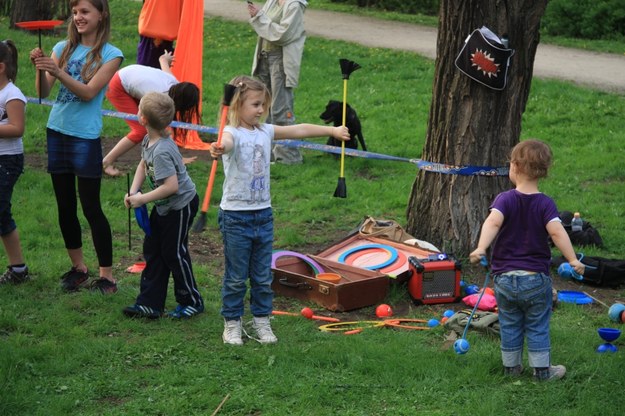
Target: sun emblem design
x=485 y=63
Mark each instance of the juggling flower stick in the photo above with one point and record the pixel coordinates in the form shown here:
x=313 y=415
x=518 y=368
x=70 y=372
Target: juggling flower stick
x=347 y=67
x=201 y=221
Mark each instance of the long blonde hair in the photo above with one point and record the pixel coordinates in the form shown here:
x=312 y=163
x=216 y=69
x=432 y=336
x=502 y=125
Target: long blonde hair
x=245 y=84
x=94 y=57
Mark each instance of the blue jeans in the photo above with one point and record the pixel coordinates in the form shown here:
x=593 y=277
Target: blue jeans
x=524 y=303
x=248 y=241
x=11 y=167
x=69 y=154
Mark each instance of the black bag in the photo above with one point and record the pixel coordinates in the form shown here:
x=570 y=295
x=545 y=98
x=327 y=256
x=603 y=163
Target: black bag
x=600 y=271
x=485 y=59
x=589 y=236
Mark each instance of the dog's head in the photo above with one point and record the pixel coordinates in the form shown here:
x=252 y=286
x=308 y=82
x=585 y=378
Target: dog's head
x=333 y=112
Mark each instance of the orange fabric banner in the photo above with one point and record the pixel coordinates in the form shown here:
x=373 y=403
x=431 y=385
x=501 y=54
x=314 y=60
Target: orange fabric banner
x=160 y=19
x=188 y=64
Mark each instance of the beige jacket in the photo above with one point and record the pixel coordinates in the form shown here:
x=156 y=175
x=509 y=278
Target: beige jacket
x=289 y=34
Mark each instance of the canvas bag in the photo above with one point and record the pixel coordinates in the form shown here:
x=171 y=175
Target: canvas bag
x=487 y=322
x=485 y=59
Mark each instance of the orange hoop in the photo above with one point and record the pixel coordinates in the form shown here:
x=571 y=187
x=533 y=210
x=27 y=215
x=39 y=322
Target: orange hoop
x=399 y=323
x=350 y=326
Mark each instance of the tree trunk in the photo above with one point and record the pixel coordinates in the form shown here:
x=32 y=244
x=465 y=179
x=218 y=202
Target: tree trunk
x=471 y=124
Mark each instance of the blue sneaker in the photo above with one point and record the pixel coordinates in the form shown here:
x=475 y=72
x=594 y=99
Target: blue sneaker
x=141 y=311
x=186 y=312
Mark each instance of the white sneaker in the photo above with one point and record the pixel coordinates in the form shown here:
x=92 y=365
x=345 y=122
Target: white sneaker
x=262 y=326
x=232 y=332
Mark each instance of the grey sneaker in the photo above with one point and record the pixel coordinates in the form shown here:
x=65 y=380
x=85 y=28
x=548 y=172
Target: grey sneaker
x=11 y=276
x=555 y=372
x=232 y=332
x=262 y=326
x=515 y=371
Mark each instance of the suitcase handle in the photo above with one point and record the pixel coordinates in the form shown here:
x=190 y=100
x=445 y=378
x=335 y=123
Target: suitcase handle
x=295 y=285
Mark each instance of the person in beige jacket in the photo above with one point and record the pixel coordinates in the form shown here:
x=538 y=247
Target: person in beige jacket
x=279 y=25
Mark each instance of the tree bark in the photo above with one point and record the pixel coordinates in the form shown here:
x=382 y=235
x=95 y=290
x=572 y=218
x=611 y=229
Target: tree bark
x=471 y=124
x=28 y=10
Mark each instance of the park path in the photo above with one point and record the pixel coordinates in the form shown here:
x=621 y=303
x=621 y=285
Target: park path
x=601 y=71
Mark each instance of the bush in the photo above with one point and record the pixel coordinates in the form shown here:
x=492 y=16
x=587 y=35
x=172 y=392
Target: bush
x=586 y=19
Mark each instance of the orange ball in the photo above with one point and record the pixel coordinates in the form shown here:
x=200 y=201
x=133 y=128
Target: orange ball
x=383 y=311
x=444 y=319
x=307 y=313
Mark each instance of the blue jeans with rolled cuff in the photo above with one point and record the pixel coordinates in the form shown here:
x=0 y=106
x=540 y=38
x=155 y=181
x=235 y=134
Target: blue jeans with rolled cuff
x=524 y=303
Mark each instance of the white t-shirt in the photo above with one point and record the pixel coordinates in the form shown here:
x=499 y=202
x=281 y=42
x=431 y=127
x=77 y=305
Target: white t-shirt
x=246 y=169
x=10 y=145
x=138 y=80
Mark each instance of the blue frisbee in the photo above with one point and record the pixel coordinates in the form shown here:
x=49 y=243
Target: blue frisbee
x=143 y=219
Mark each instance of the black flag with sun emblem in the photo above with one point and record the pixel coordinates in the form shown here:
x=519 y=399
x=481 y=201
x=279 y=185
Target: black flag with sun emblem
x=485 y=59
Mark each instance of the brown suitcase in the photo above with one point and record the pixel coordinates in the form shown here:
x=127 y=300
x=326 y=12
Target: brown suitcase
x=293 y=277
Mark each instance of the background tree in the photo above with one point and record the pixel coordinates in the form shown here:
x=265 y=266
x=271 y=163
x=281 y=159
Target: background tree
x=470 y=124
x=27 y=10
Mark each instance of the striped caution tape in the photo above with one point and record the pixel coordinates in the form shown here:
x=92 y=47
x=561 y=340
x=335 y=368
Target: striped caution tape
x=421 y=164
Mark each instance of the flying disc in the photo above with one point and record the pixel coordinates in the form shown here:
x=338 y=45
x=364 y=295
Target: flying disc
x=143 y=219
x=39 y=24
x=571 y=296
x=397 y=264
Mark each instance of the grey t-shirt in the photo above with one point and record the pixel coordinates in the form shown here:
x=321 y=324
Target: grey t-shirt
x=162 y=160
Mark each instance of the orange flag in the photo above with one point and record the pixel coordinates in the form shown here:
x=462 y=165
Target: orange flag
x=188 y=64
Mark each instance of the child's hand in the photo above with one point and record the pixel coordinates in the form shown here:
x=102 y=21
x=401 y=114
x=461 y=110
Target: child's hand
x=477 y=255
x=216 y=151
x=167 y=59
x=341 y=133
x=34 y=54
x=134 y=200
x=578 y=266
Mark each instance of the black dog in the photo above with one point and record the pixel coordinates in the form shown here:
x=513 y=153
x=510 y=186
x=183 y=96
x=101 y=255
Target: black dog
x=334 y=114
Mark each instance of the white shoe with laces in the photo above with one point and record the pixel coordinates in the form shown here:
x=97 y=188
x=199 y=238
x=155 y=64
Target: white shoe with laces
x=262 y=326
x=232 y=332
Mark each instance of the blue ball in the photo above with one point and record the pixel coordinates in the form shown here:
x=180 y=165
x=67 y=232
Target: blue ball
x=472 y=289
x=433 y=322
x=615 y=312
x=448 y=313
x=461 y=346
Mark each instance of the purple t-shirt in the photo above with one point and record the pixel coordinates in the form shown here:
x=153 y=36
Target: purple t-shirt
x=523 y=242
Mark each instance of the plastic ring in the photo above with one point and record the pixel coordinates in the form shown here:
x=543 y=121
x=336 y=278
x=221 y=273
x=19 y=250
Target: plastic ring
x=284 y=253
x=398 y=323
x=350 y=326
x=401 y=260
x=391 y=251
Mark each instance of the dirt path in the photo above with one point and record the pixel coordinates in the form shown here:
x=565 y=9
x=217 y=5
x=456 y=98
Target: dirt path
x=605 y=72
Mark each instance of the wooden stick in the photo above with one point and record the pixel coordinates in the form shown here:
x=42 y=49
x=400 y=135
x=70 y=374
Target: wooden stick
x=596 y=300
x=221 y=404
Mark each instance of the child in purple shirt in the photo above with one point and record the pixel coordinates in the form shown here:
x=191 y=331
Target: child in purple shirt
x=519 y=225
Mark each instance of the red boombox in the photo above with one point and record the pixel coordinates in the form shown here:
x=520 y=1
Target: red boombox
x=434 y=281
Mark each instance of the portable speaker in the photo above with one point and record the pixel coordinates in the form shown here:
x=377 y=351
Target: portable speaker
x=434 y=281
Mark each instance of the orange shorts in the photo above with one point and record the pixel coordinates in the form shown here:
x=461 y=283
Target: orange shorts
x=124 y=103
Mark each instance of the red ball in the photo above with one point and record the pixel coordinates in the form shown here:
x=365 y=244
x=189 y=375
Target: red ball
x=383 y=311
x=307 y=313
x=623 y=316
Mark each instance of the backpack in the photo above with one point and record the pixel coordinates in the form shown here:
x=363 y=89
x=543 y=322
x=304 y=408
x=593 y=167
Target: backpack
x=487 y=322
x=600 y=271
x=589 y=236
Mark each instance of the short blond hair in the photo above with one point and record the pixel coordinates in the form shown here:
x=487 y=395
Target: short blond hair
x=532 y=158
x=158 y=110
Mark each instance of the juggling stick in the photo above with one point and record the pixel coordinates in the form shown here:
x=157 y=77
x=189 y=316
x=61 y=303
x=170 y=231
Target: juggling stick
x=312 y=317
x=347 y=67
x=201 y=221
x=129 y=221
x=39 y=25
x=461 y=346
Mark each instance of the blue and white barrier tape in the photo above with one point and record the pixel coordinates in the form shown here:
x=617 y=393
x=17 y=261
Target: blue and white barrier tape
x=421 y=164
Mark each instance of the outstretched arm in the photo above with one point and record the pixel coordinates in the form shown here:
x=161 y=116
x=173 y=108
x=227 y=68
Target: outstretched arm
x=302 y=131
x=490 y=228
x=561 y=239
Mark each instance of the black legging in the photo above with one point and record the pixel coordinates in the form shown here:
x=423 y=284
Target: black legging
x=89 y=191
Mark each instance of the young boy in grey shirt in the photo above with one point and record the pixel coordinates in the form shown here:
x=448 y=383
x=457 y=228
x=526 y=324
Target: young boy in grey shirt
x=165 y=248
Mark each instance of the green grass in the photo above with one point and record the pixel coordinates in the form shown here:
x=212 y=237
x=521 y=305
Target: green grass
x=76 y=354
